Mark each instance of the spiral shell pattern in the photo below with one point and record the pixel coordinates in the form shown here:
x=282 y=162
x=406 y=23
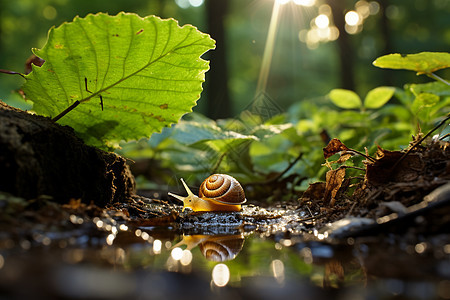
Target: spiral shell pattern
x=222 y=188
x=221 y=249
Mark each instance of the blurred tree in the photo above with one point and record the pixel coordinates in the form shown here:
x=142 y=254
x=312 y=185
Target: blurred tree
x=219 y=105
x=299 y=71
x=387 y=39
x=345 y=48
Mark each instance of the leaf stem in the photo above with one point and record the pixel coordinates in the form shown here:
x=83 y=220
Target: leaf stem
x=11 y=72
x=279 y=175
x=438 y=78
x=353 y=151
x=64 y=112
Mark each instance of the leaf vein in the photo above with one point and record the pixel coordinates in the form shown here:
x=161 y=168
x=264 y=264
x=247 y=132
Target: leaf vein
x=153 y=89
x=74 y=60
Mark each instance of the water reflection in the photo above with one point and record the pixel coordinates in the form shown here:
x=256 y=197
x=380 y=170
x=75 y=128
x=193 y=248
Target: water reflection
x=157 y=245
x=220 y=275
x=278 y=270
x=265 y=268
x=217 y=248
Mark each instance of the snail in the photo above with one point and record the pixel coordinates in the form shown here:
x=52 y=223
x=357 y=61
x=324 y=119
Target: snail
x=218 y=192
x=214 y=248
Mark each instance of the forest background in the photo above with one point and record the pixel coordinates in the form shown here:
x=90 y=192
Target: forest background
x=319 y=45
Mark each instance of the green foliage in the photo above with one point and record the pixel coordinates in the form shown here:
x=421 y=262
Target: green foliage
x=375 y=98
x=422 y=63
x=131 y=76
x=200 y=146
x=345 y=99
x=424 y=101
x=253 y=150
x=378 y=97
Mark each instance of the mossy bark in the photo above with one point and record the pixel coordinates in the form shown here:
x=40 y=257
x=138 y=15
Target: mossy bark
x=40 y=157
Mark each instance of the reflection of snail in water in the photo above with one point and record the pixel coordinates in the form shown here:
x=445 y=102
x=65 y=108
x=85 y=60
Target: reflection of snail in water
x=218 y=192
x=215 y=248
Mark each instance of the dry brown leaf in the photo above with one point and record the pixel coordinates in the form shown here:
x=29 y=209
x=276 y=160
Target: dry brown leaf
x=315 y=191
x=334 y=179
x=333 y=147
x=383 y=171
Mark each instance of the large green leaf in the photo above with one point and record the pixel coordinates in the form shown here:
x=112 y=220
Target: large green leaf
x=422 y=63
x=147 y=72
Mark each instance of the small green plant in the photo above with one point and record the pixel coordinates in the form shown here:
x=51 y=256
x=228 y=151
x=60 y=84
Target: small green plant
x=419 y=103
x=255 y=151
x=426 y=101
x=375 y=98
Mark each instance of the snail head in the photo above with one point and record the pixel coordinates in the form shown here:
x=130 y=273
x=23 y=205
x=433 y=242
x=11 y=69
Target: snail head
x=188 y=201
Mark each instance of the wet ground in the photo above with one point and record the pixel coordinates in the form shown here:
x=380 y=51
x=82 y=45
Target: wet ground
x=48 y=251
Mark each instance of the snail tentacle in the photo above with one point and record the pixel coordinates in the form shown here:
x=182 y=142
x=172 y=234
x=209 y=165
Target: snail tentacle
x=187 y=201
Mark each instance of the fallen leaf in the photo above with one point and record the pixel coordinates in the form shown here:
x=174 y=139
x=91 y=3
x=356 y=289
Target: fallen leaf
x=315 y=191
x=334 y=179
x=333 y=147
x=387 y=169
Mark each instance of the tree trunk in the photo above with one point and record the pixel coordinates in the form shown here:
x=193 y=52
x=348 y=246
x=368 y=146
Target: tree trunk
x=386 y=34
x=218 y=101
x=346 y=53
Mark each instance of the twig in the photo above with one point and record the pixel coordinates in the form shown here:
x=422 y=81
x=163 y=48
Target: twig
x=353 y=167
x=351 y=209
x=311 y=218
x=85 y=85
x=420 y=141
x=276 y=178
x=219 y=161
x=360 y=153
x=438 y=78
x=310 y=212
x=76 y=103
x=87 y=90
x=288 y=168
x=444 y=136
x=11 y=72
x=64 y=112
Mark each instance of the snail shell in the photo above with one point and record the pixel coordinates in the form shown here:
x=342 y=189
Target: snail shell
x=222 y=248
x=214 y=248
x=222 y=188
x=218 y=192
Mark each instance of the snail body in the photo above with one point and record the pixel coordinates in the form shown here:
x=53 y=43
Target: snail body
x=218 y=192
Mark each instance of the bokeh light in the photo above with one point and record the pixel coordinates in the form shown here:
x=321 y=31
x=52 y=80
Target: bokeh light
x=322 y=21
x=220 y=275
x=352 y=18
x=157 y=245
x=306 y=3
x=277 y=267
x=195 y=3
x=176 y=253
x=188 y=3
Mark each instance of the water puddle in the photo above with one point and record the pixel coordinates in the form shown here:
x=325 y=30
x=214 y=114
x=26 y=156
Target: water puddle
x=259 y=253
